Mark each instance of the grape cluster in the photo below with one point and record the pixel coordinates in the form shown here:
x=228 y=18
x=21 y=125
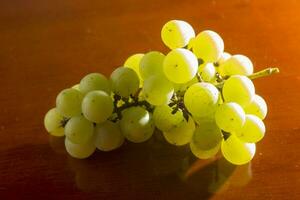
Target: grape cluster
x=196 y=94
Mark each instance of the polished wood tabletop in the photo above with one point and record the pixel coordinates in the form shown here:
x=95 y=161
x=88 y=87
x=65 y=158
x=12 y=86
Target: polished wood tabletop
x=49 y=45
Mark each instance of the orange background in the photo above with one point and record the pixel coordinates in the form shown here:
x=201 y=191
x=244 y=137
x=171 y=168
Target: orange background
x=49 y=45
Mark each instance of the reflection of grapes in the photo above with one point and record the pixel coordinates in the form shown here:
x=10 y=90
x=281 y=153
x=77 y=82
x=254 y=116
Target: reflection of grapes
x=195 y=94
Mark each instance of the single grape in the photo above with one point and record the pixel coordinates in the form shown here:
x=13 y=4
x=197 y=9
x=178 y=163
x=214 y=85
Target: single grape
x=230 y=117
x=137 y=124
x=201 y=99
x=237 y=65
x=133 y=62
x=257 y=107
x=236 y=151
x=252 y=131
x=151 y=64
x=204 y=154
x=108 y=136
x=180 y=65
x=163 y=118
x=79 y=130
x=208 y=46
x=124 y=81
x=208 y=72
x=180 y=134
x=53 y=123
x=177 y=34
x=158 y=90
x=97 y=106
x=94 y=81
x=207 y=135
x=68 y=102
x=80 y=151
x=239 y=89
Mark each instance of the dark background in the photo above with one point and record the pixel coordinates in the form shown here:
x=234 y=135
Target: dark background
x=48 y=45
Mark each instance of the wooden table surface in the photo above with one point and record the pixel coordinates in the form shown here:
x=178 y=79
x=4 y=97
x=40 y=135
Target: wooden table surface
x=49 y=45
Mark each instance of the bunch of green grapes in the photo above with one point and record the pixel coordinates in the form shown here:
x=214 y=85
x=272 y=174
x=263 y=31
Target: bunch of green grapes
x=196 y=94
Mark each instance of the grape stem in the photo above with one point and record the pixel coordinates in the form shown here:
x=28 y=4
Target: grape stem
x=263 y=73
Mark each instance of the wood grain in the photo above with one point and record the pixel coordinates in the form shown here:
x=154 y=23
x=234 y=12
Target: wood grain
x=49 y=45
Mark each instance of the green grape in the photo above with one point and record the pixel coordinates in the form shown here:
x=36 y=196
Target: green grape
x=180 y=65
x=207 y=135
x=208 y=46
x=68 y=102
x=124 y=81
x=239 y=89
x=181 y=87
x=53 y=123
x=133 y=62
x=151 y=64
x=180 y=134
x=237 y=65
x=137 y=124
x=158 y=90
x=257 y=107
x=163 y=118
x=204 y=154
x=94 y=81
x=97 y=106
x=191 y=43
x=201 y=99
x=79 y=130
x=80 y=151
x=208 y=72
x=252 y=131
x=108 y=136
x=177 y=34
x=236 y=151
x=230 y=117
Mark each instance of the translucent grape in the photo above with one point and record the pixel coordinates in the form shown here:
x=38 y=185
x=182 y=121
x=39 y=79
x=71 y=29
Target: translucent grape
x=207 y=135
x=201 y=99
x=124 y=81
x=158 y=90
x=151 y=64
x=230 y=117
x=239 y=89
x=204 y=154
x=236 y=151
x=180 y=65
x=257 y=107
x=108 y=136
x=68 y=102
x=177 y=34
x=53 y=122
x=181 y=134
x=224 y=57
x=252 y=131
x=133 y=62
x=97 y=106
x=79 y=130
x=163 y=118
x=80 y=150
x=237 y=65
x=208 y=46
x=136 y=124
x=94 y=81
x=208 y=72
